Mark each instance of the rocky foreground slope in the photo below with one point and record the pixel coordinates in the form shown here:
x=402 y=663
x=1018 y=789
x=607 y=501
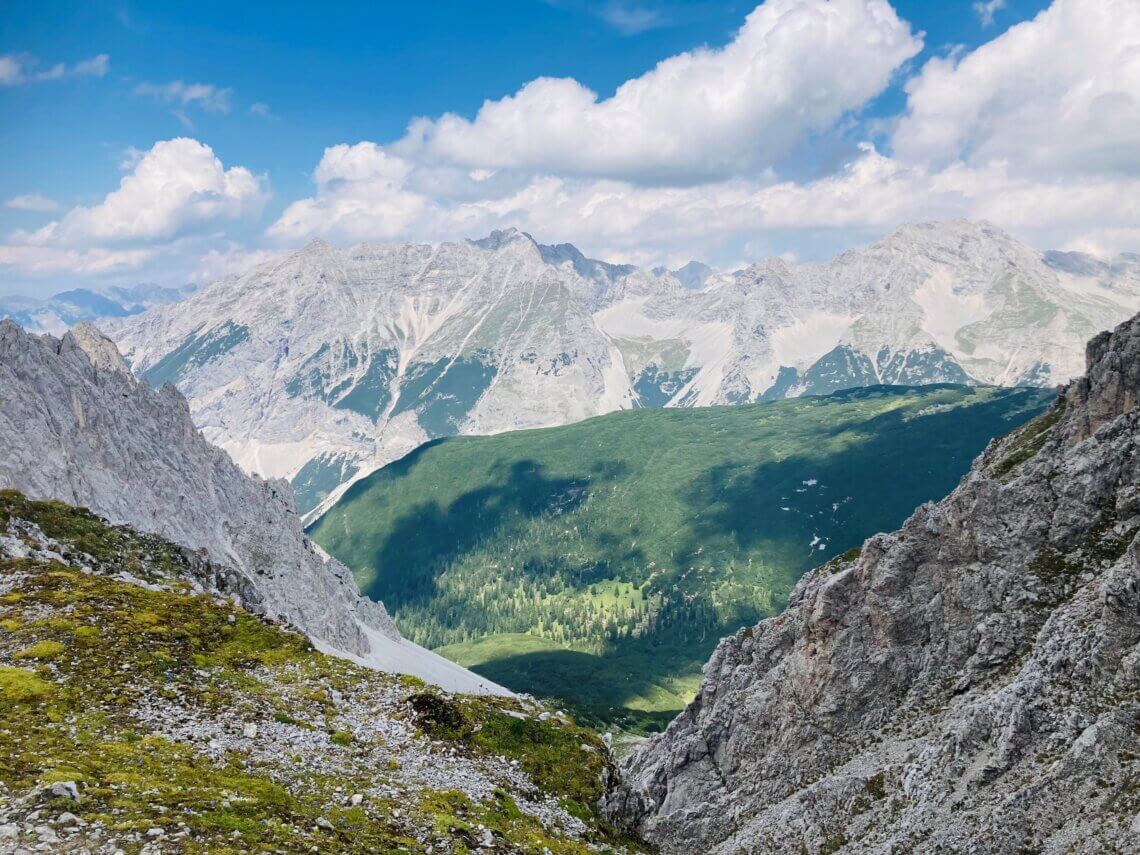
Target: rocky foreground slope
x=138 y=715
x=969 y=683
x=75 y=425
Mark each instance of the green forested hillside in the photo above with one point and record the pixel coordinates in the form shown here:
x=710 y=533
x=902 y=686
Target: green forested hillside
x=600 y=562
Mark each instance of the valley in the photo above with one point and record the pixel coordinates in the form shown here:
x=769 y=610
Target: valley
x=599 y=563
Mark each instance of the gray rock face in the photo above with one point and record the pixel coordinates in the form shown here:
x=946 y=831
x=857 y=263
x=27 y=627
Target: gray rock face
x=969 y=683
x=76 y=426
x=1110 y=386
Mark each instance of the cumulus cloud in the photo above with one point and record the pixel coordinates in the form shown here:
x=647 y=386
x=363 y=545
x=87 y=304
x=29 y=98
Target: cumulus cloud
x=793 y=68
x=16 y=69
x=176 y=185
x=31 y=202
x=360 y=196
x=212 y=98
x=1057 y=95
x=622 y=221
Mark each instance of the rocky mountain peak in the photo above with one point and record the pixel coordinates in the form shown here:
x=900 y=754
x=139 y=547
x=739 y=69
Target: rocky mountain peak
x=694 y=275
x=502 y=237
x=98 y=348
x=316 y=246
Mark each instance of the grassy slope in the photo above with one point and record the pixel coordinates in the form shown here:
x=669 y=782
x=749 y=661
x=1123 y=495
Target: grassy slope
x=83 y=655
x=599 y=562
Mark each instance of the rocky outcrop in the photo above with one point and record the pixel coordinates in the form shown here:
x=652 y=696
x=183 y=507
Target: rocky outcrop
x=75 y=425
x=969 y=683
x=1110 y=388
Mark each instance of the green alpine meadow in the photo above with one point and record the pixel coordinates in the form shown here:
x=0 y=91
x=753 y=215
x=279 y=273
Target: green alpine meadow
x=598 y=564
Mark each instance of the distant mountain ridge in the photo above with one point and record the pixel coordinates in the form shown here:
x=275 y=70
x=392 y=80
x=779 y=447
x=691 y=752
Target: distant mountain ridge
x=325 y=364
x=65 y=309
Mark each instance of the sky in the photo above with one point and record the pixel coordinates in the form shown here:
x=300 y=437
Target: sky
x=177 y=142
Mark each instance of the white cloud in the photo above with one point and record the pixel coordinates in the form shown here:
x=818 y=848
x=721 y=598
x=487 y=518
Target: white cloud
x=364 y=194
x=176 y=185
x=204 y=95
x=11 y=70
x=360 y=195
x=31 y=202
x=183 y=119
x=1055 y=96
x=794 y=68
x=227 y=261
x=20 y=68
x=97 y=66
x=986 y=9
x=39 y=260
x=260 y=108
x=632 y=18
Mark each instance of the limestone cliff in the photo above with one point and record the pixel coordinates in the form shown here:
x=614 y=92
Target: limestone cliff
x=969 y=683
x=75 y=425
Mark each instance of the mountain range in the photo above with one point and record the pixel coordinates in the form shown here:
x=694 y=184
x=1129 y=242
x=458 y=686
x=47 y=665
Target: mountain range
x=967 y=683
x=58 y=313
x=325 y=364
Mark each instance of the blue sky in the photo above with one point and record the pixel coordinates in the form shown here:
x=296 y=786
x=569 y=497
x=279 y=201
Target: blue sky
x=270 y=88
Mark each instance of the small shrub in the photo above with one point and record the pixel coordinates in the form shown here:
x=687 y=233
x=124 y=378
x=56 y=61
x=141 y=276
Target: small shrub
x=88 y=635
x=876 y=785
x=412 y=682
x=439 y=717
x=833 y=844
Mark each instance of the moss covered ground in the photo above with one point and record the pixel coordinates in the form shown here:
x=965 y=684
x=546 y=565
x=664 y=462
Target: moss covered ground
x=177 y=711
